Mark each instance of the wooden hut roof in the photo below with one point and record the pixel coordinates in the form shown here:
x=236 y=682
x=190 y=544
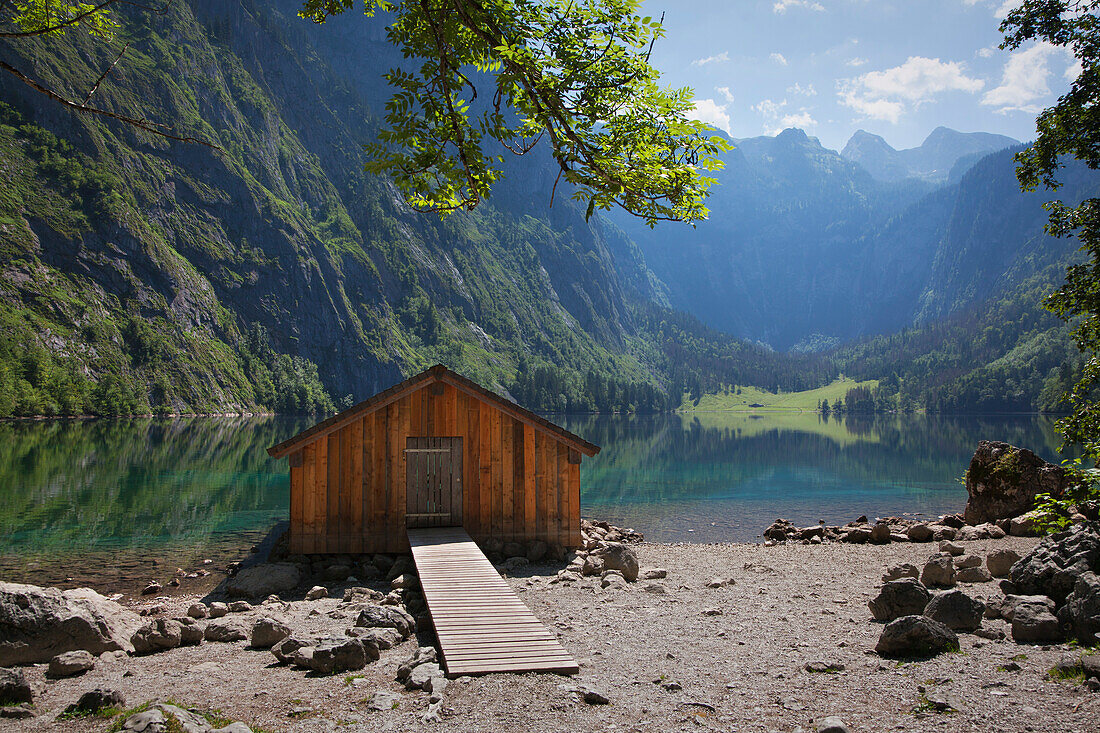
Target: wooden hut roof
x=437 y=373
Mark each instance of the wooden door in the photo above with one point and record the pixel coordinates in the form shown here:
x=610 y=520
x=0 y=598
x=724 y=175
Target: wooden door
x=433 y=482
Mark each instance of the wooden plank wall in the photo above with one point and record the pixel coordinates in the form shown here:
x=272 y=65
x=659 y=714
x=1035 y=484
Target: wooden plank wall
x=348 y=488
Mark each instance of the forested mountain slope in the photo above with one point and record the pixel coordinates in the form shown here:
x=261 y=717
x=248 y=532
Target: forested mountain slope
x=273 y=273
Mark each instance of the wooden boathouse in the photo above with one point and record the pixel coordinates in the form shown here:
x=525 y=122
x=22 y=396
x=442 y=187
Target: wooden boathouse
x=436 y=450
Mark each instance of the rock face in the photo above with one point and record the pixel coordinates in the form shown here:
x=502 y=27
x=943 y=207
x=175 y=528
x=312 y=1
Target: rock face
x=1003 y=480
x=915 y=636
x=956 y=610
x=1053 y=567
x=261 y=581
x=902 y=597
x=37 y=624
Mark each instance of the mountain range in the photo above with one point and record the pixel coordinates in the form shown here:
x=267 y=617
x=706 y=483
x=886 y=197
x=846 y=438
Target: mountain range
x=272 y=272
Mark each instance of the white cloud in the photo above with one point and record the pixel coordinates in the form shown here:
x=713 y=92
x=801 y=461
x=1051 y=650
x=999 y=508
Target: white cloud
x=986 y=53
x=712 y=113
x=722 y=57
x=725 y=92
x=1004 y=7
x=778 y=58
x=1073 y=71
x=768 y=108
x=781 y=6
x=1023 y=81
x=805 y=91
x=885 y=95
x=776 y=121
x=856 y=61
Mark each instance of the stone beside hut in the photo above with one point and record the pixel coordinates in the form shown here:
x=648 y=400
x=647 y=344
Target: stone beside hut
x=436 y=450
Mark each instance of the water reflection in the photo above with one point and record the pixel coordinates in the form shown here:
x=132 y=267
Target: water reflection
x=725 y=476
x=102 y=487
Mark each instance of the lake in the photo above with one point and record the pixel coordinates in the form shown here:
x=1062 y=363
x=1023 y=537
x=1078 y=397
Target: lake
x=107 y=499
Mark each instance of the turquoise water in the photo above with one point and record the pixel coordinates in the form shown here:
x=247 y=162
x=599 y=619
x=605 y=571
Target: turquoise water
x=182 y=489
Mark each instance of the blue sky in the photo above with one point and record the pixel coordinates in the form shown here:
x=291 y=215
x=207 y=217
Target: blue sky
x=897 y=68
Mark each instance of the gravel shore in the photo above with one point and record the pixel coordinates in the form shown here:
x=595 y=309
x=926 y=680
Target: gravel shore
x=669 y=654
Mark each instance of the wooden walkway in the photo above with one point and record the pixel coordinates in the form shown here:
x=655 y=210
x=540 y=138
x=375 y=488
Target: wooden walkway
x=481 y=625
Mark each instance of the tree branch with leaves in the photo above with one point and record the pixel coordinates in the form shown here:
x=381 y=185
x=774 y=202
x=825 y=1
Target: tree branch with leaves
x=572 y=73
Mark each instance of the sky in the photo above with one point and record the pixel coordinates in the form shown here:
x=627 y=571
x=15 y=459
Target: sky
x=896 y=68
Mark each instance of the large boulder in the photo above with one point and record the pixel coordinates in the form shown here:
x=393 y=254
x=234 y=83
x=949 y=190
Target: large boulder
x=1081 y=614
x=342 y=655
x=267 y=632
x=260 y=581
x=1003 y=481
x=612 y=557
x=1000 y=561
x=956 y=610
x=37 y=624
x=915 y=636
x=70 y=664
x=1052 y=568
x=902 y=597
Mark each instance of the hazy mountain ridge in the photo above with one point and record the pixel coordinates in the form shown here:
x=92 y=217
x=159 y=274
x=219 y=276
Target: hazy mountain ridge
x=933 y=160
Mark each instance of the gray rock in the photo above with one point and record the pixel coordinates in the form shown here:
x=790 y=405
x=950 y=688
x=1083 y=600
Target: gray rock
x=1033 y=623
x=902 y=597
x=1052 y=568
x=968 y=561
x=358 y=594
x=191 y=633
x=956 y=610
x=382 y=638
x=591 y=694
x=612 y=557
x=383 y=700
x=832 y=724
x=941 y=532
x=337 y=571
x=1010 y=602
x=613 y=580
x=382 y=563
x=973 y=575
x=285 y=650
x=536 y=550
x=654 y=573
x=1025 y=525
x=22 y=711
x=1003 y=481
x=376 y=616
x=342 y=655
x=14 y=687
x=198 y=610
x=422 y=655
x=267 y=632
x=316 y=593
x=939 y=572
x=721 y=582
x=420 y=677
x=218 y=609
x=409 y=581
x=897 y=572
x=656 y=588
x=95 y=700
x=880 y=533
x=951 y=548
x=225 y=631
x=70 y=664
x=1000 y=562
x=919 y=533
x=856 y=535
x=260 y=581
x=403 y=564
x=970 y=534
x=917 y=637
x=1081 y=612
x=157 y=636
x=37 y=624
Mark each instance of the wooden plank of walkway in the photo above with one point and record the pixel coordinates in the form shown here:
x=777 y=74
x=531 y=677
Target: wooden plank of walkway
x=481 y=625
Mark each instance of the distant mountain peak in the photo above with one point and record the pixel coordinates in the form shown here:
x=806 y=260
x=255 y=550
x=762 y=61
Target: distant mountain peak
x=933 y=160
